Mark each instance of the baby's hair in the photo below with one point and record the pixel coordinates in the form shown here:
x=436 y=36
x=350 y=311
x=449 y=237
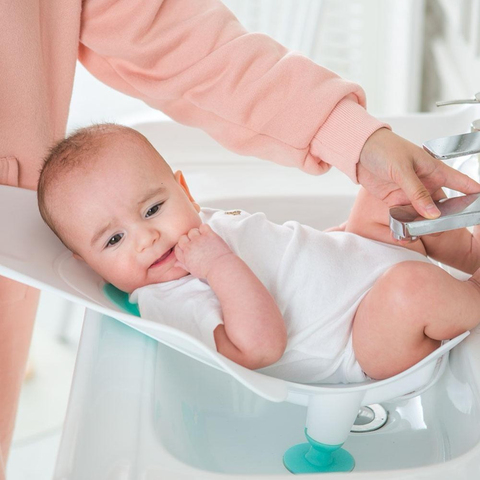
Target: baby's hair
x=77 y=151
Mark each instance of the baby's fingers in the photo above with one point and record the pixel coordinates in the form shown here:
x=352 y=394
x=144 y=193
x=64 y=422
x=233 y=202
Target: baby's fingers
x=180 y=258
x=205 y=228
x=194 y=232
x=178 y=252
x=181 y=265
x=182 y=242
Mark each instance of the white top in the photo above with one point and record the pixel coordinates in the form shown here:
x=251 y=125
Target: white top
x=317 y=279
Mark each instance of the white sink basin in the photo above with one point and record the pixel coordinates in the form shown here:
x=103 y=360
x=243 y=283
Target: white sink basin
x=142 y=411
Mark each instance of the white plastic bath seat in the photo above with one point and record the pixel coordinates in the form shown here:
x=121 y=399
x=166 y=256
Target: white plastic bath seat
x=331 y=409
x=30 y=253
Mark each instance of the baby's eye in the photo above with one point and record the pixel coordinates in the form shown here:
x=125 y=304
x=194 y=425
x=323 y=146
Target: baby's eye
x=153 y=210
x=114 y=240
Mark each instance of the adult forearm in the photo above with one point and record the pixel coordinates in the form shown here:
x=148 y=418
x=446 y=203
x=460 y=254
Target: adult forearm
x=195 y=62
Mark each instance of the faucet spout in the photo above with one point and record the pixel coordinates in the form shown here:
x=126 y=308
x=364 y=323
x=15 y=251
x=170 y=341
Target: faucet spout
x=454 y=146
x=456 y=212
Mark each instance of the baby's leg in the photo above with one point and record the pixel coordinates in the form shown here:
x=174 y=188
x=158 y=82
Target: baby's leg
x=406 y=314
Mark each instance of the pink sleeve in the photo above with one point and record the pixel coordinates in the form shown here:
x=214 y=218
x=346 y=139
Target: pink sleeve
x=196 y=63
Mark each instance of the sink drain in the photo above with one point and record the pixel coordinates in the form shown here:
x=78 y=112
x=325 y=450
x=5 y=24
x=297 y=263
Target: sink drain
x=370 y=418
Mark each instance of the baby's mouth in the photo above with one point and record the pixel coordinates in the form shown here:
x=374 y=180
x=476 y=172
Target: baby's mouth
x=162 y=258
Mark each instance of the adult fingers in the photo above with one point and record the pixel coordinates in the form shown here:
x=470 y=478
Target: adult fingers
x=458 y=181
x=417 y=194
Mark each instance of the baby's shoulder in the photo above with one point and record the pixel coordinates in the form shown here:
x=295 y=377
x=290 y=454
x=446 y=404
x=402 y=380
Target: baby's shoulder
x=212 y=215
x=224 y=220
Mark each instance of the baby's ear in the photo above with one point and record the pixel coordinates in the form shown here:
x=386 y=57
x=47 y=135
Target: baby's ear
x=181 y=180
x=78 y=257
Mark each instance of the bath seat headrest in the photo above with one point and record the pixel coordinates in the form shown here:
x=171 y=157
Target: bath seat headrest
x=120 y=299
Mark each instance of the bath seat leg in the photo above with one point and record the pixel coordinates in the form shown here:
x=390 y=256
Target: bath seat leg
x=329 y=421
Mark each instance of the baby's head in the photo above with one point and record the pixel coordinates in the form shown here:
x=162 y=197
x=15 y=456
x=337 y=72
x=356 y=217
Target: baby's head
x=116 y=204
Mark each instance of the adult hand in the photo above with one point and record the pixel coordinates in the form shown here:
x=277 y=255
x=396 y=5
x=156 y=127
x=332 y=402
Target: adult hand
x=399 y=172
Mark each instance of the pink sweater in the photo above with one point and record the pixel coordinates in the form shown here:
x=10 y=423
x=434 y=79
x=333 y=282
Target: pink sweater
x=192 y=60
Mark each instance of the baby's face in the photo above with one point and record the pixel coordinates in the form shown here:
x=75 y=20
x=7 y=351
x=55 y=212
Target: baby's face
x=124 y=216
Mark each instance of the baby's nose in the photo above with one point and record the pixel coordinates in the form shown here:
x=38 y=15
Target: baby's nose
x=147 y=237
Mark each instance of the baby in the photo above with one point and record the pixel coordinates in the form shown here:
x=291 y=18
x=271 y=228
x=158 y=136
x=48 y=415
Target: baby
x=296 y=303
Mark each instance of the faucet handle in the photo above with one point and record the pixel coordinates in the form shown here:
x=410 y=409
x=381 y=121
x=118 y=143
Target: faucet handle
x=456 y=212
x=454 y=146
x=459 y=102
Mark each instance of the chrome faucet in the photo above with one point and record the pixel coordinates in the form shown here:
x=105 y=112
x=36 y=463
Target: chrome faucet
x=456 y=212
x=454 y=146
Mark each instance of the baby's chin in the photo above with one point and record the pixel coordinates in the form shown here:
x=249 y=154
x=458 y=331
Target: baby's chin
x=173 y=274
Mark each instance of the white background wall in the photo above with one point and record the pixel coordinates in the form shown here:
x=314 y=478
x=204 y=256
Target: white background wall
x=452 y=53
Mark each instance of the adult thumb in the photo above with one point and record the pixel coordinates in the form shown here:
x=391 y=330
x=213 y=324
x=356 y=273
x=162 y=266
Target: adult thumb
x=419 y=196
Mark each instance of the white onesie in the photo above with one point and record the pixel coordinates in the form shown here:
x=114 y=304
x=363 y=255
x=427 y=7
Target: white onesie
x=317 y=279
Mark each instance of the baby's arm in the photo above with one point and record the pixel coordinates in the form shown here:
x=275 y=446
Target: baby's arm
x=254 y=333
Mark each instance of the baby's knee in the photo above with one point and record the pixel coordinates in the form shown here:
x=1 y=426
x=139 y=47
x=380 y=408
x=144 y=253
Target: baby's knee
x=405 y=286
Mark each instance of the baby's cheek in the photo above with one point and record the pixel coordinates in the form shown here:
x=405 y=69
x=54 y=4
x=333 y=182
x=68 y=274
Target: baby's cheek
x=124 y=277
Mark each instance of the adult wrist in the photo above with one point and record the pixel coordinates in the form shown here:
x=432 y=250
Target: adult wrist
x=340 y=140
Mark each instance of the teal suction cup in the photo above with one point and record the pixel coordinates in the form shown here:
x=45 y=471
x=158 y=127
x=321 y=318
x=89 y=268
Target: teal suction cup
x=315 y=457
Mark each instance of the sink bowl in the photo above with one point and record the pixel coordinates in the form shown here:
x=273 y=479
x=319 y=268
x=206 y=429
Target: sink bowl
x=141 y=410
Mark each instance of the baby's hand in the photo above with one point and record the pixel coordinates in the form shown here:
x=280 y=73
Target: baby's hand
x=199 y=250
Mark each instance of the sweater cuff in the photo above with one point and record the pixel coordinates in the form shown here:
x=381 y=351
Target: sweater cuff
x=341 y=138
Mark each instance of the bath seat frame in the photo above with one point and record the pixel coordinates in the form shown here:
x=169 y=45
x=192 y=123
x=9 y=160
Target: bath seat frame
x=332 y=409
